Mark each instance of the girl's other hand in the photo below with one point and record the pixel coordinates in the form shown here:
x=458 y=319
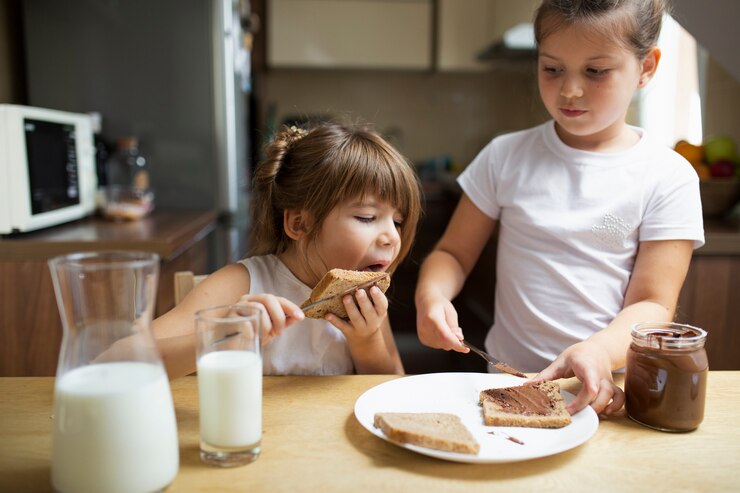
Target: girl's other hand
x=278 y=314
x=366 y=311
x=590 y=363
x=437 y=325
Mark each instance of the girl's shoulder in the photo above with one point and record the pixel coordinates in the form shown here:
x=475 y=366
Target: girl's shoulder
x=248 y=267
x=518 y=143
x=511 y=148
x=269 y=273
x=520 y=137
x=664 y=161
x=260 y=262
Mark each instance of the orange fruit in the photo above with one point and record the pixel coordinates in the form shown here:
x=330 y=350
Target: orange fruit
x=703 y=171
x=693 y=154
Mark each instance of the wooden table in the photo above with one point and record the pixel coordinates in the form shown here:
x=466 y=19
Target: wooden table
x=30 y=327
x=312 y=442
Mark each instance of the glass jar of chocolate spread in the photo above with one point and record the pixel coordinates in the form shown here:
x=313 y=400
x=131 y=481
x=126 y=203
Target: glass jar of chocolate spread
x=666 y=377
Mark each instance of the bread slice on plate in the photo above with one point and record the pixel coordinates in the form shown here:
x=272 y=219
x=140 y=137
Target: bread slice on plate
x=439 y=431
x=538 y=405
x=337 y=281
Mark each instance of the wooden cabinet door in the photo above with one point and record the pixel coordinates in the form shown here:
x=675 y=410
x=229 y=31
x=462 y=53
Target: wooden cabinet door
x=710 y=299
x=467 y=27
x=387 y=34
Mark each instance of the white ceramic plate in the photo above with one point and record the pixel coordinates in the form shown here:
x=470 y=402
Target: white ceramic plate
x=457 y=393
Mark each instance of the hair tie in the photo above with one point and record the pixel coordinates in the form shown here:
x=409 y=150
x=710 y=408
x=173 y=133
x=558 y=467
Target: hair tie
x=295 y=134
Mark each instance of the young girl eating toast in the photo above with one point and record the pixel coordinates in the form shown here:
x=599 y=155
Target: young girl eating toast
x=332 y=196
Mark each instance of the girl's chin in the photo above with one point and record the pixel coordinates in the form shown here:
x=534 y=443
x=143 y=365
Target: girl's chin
x=570 y=130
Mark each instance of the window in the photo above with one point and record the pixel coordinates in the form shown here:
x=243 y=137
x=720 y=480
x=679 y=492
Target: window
x=669 y=108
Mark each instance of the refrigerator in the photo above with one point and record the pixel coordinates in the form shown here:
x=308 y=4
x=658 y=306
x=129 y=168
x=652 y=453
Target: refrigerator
x=173 y=73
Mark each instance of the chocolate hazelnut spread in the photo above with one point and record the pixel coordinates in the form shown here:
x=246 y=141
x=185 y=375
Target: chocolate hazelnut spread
x=666 y=379
x=526 y=400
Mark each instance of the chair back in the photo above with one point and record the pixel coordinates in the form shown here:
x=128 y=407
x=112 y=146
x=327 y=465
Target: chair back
x=185 y=281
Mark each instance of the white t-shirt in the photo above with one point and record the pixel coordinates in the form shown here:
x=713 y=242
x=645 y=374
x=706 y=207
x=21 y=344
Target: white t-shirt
x=309 y=347
x=570 y=222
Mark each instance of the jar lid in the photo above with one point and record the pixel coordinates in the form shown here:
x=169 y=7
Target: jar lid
x=668 y=335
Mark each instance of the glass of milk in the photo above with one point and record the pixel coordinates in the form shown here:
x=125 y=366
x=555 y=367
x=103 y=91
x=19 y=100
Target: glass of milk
x=114 y=420
x=229 y=363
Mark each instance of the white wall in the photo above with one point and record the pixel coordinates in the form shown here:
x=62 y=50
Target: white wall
x=714 y=24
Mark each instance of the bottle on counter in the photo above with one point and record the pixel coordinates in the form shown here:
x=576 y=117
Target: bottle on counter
x=128 y=194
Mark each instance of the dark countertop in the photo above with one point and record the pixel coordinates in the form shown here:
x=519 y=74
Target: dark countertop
x=166 y=233
x=722 y=237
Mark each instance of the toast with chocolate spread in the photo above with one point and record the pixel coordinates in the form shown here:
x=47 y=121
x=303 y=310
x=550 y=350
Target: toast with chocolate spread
x=538 y=405
x=439 y=431
x=335 y=282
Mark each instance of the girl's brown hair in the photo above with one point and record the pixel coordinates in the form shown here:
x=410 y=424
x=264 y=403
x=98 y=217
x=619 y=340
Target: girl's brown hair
x=314 y=170
x=633 y=23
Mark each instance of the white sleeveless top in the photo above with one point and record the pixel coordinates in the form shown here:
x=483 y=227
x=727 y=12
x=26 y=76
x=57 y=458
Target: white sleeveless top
x=309 y=347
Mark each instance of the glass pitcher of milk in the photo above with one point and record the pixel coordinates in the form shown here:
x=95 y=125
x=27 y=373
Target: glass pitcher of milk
x=114 y=421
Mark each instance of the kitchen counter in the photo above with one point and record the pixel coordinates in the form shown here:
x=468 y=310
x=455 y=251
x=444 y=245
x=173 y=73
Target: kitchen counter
x=166 y=233
x=30 y=327
x=312 y=442
x=722 y=238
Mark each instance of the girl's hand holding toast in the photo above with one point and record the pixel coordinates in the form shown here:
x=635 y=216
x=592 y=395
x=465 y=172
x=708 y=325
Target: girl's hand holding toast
x=368 y=332
x=366 y=311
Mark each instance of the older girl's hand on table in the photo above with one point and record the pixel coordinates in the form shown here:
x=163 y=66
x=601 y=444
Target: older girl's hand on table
x=589 y=363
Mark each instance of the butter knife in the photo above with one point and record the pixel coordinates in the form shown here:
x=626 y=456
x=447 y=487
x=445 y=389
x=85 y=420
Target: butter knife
x=499 y=365
x=351 y=290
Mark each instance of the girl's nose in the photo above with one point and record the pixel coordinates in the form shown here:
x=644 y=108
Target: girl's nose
x=571 y=88
x=390 y=235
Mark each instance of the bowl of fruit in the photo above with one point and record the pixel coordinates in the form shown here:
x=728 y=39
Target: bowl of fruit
x=717 y=163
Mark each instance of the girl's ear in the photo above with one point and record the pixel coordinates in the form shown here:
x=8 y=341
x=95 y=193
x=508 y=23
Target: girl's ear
x=649 y=66
x=295 y=224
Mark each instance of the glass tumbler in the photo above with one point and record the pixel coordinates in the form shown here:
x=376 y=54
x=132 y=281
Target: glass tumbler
x=229 y=363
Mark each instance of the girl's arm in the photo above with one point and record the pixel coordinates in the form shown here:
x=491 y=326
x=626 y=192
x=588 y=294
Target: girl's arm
x=175 y=330
x=368 y=332
x=377 y=355
x=652 y=294
x=443 y=274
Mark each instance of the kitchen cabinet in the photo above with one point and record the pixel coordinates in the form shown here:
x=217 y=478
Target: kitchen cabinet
x=466 y=28
x=389 y=34
x=378 y=34
x=30 y=326
x=711 y=293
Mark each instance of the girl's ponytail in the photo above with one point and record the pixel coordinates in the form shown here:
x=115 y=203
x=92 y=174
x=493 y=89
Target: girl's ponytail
x=267 y=227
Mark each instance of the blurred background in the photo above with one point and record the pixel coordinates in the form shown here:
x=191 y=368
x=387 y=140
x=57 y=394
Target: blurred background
x=203 y=84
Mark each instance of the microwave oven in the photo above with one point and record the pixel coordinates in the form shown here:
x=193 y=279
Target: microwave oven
x=47 y=168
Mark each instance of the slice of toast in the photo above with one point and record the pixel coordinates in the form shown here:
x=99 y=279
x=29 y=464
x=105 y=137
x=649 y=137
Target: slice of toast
x=439 y=431
x=335 y=282
x=538 y=405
